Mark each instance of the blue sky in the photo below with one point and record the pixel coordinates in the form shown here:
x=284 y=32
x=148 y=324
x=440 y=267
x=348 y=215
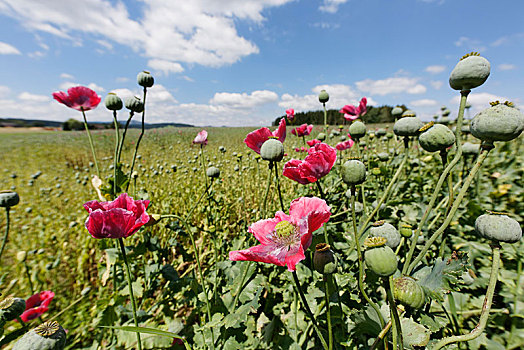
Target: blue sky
x=244 y=62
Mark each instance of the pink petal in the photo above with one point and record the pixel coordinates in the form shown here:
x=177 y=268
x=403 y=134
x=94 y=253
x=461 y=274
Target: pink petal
x=315 y=209
x=271 y=254
x=255 y=139
x=362 y=106
x=262 y=228
x=294 y=256
x=280 y=133
x=292 y=171
x=348 y=109
x=201 y=138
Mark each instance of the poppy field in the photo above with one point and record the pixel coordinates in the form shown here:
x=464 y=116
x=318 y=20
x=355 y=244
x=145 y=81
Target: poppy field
x=352 y=236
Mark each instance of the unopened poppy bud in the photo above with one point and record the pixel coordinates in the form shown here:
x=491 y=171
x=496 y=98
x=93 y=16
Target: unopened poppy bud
x=323 y=96
x=153 y=219
x=145 y=79
x=213 y=172
x=113 y=102
x=321 y=136
x=134 y=104
x=324 y=260
x=405 y=230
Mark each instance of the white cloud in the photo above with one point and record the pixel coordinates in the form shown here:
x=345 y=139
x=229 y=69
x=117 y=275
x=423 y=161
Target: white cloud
x=436 y=84
x=165 y=67
x=393 y=85
x=331 y=6
x=480 y=101
x=425 y=102
x=198 y=31
x=501 y=41
x=244 y=100
x=326 y=25
x=470 y=44
x=66 y=76
x=4 y=90
x=6 y=49
x=435 y=69
x=26 y=96
x=67 y=84
x=507 y=66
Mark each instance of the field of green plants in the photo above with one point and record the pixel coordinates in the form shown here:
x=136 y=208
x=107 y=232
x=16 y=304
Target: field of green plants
x=366 y=240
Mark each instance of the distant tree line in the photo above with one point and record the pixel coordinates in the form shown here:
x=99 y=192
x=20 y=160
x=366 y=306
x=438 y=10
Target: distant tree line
x=380 y=114
x=73 y=124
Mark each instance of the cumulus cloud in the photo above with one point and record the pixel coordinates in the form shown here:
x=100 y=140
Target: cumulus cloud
x=198 y=31
x=480 y=101
x=331 y=6
x=68 y=84
x=507 y=66
x=244 y=100
x=6 y=49
x=425 y=102
x=393 y=85
x=436 y=84
x=67 y=76
x=27 y=96
x=165 y=67
x=435 y=69
x=470 y=44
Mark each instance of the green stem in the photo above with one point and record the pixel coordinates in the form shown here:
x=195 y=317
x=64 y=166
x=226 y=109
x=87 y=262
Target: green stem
x=115 y=160
x=395 y=324
x=325 y=120
x=328 y=311
x=263 y=204
x=90 y=141
x=278 y=187
x=456 y=204
x=516 y=293
x=28 y=275
x=486 y=306
x=233 y=306
x=308 y=310
x=140 y=136
x=320 y=190
x=361 y=261
x=121 y=147
x=130 y=285
x=4 y=240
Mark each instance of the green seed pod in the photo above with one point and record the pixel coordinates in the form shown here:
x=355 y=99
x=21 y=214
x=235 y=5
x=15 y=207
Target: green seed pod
x=379 y=257
x=396 y=112
x=407 y=126
x=386 y=230
x=9 y=199
x=499 y=227
x=213 y=172
x=436 y=137
x=343 y=138
x=470 y=72
x=113 y=102
x=470 y=149
x=405 y=230
x=500 y=122
x=409 y=113
x=445 y=121
x=145 y=79
x=465 y=129
x=446 y=112
x=408 y=292
x=21 y=256
x=48 y=336
x=323 y=96
x=134 y=104
x=11 y=308
x=380 y=132
x=353 y=172
x=383 y=156
x=272 y=150
x=357 y=130
x=321 y=136
x=324 y=260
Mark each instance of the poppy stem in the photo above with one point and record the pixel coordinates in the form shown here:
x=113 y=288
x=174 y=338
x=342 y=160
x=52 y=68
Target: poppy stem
x=325 y=119
x=395 y=324
x=115 y=160
x=121 y=147
x=278 y=186
x=139 y=137
x=4 y=240
x=130 y=285
x=264 y=201
x=308 y=310
x=328 y=312
x=90 y=141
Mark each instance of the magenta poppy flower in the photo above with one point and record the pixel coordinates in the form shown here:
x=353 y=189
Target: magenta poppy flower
x=290 y=114
x=201 y=138
x=285 y=238
x=78 y=97
x=313 y=142
x=302 y=130
x=36 y=305
x=317 y=164
x=351 y=112
x=116 y=219
x=341 y=146
x=255 y=139
x=301 y=149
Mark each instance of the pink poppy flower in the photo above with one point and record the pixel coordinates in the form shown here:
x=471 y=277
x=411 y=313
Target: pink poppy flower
x=317 y=164
x=301 y=149
x=285 y=238
x=302 y=130
x=36 y=305
x=341 y=146
x=256 y=139
x=351 y=112
x=79 y=98
x=290 y=114
x=116 y=219
x=201 y=138
x=313 y=142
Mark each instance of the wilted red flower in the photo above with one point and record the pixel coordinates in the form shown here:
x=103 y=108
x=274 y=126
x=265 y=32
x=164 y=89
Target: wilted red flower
x=313 y=142
x=255 y=139
x=351 y=112
x=36 y=305
x=341 y=146
x=201 y=138
x=79 y=98
x=285 y=238
x=316 y=165
x=116 y=219
x=290 y=114
x=302 y=130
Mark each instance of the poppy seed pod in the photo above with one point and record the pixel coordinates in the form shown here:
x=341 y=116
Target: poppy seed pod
x=145 y=79
x=11 y=308
x=470 y=149
x=321 y=136
x=353 y=172
x=323 y=96
x=407 y=126
x=9 y=199
x=213 y=172
x=379 y=257
x=436 y=137
x=396 y=112
x=386 y=230
x=499 y=227
x=500 y=122
x=272 y=150
x=48 y=336
x=357 y=130
x=470 y=72
x=113 y=102
x=408 y=292
x=134 y=104
x=406 y=230
x=324 y=260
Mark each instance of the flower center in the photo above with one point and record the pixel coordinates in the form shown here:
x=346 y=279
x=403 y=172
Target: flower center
x=285 y=233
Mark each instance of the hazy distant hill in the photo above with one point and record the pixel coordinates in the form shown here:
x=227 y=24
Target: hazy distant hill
x=25 y=123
